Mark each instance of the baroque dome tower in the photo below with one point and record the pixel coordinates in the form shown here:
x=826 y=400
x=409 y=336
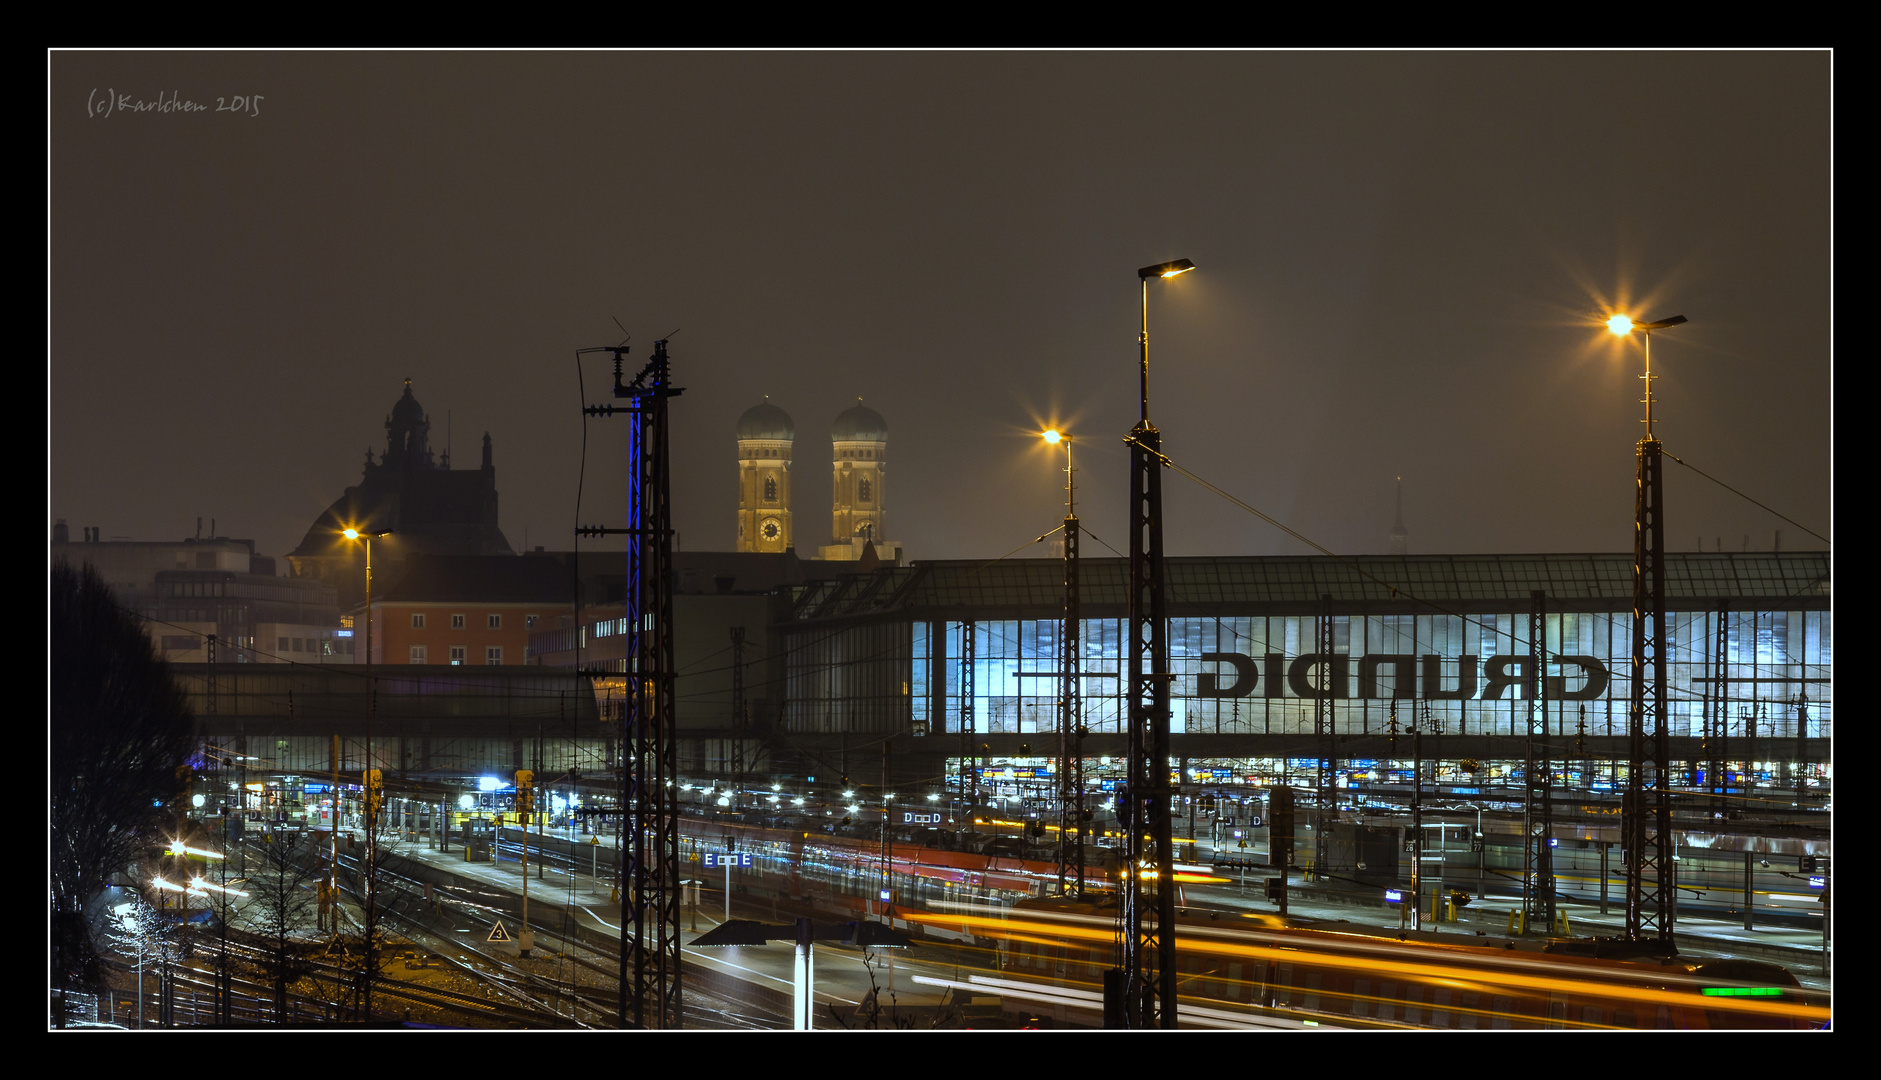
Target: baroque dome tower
x=765 y=435
x=859 y=444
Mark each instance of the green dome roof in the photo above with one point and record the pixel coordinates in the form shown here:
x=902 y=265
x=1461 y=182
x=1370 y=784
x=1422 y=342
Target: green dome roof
x=859 y=424
x=766 y=421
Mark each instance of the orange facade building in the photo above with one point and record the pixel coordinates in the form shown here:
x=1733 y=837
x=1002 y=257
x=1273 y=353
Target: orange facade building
x=466 y=610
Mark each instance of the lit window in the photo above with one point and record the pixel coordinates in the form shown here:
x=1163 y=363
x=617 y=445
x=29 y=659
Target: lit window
x=457 y=622
x=496 y=622
x=494 y=653
x=418 y=652
x=457 y=654
x=417 y=622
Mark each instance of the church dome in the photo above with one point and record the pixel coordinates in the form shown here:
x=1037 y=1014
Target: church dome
x=407 y=413
x=859 y=424
x=766 y=421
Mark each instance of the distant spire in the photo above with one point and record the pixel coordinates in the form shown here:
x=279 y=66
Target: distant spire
x=1400 y=536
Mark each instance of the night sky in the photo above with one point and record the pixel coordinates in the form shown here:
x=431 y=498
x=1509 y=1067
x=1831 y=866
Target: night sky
x=1404 y=261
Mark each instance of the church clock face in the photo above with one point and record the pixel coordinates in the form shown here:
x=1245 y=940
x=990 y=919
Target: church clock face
x=770 y=528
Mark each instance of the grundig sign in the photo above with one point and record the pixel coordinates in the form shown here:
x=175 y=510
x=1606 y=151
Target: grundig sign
x=1263 y=678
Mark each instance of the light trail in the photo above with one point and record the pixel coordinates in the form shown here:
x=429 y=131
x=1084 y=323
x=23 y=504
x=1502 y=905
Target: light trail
x=1429 y=973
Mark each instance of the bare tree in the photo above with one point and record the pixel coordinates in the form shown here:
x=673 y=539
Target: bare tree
x=120 y=736
x=281 y=900
x=146 y=938
x=361 y=952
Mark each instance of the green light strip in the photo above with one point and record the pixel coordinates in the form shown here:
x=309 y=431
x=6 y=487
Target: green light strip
x=1742 y=991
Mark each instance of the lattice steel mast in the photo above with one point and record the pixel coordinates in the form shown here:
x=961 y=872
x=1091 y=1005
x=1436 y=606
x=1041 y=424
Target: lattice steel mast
x=1714 y=752
x=1141 y=993
x=1646 y=825
x=1070 y=719
x=649 y=794
x=969 y=736
x=1326 y=781
x=1537 y=823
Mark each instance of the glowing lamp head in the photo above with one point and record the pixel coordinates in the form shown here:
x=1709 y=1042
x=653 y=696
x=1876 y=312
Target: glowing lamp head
x=1166 y=270
x=351 y=534
x=1620 y=325
x=1054 y=437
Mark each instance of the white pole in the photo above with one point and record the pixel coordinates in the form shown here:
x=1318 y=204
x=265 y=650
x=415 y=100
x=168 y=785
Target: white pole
x=803 y=978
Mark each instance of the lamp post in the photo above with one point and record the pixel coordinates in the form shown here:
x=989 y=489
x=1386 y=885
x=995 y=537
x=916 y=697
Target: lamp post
x=1650 y=909
x=372 y=790
x=1141 y=992
x=1622 y=326
x=1070 y=730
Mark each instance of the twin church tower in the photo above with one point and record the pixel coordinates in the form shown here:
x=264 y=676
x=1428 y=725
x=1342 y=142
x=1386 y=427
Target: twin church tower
x=859 y=438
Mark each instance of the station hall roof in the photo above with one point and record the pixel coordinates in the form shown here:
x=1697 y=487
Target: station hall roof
x=1034 y=588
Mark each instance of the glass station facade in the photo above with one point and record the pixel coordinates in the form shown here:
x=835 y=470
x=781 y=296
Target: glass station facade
x=1749 y=644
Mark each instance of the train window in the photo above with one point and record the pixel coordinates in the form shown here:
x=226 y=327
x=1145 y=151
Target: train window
x=1472 y=1001
x=1440 y=1011
x=1361 y=1005
x=1413 y=1004
x=1625 y=1018
x=1387 y=991
x=1502 y=1007
x=1312 y=990
x=1234 y=981
x=1663 y=1019
x=1557 y=1012
x=1593 y=1016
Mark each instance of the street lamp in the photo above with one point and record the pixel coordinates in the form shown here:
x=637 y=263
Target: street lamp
x=1070 y=737
x=1649 y=909
x=1142 y=992
x=1160 y=270
x=371 y=791
x=1623 y=326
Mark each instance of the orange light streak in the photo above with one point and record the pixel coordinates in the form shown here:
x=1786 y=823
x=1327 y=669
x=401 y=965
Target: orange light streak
x=1438 y=974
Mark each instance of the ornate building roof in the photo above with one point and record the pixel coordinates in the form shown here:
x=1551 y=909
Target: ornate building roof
x=429 y=508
